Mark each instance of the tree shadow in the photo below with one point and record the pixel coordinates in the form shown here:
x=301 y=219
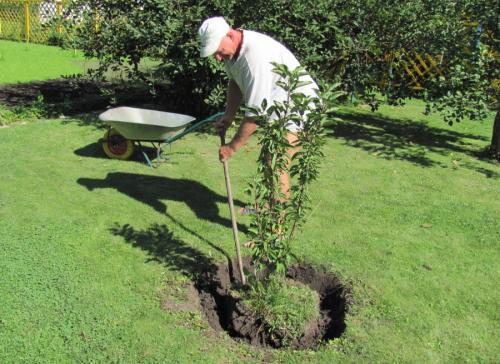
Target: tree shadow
x=151 y=190
x=163 y=247
x=403 y=139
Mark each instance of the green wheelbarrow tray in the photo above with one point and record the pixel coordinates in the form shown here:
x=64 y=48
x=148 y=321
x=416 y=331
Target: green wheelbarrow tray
x=129 y=126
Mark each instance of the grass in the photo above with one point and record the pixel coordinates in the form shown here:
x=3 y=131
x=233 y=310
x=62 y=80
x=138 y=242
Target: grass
x=21 y=62
x=405 y=211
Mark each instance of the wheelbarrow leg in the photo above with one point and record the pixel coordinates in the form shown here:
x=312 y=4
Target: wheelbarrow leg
x=145 y=155
x=159 y=154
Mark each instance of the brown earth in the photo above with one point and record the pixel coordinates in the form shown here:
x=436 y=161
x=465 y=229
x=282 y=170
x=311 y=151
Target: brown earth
x=71 y=95
x=75 y=95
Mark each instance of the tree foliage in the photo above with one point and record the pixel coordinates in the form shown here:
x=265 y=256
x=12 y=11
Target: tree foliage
x=336 y=40
x=122 y=33
x=351 y=42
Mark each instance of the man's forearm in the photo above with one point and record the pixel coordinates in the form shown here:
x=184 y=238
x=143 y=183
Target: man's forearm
x=246 y=129
x=234 y=98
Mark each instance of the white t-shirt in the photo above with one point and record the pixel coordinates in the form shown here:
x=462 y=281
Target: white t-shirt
x=253 y=72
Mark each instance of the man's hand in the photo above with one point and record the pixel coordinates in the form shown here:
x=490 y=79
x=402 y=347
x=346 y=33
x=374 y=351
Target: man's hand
x=246 y=129
x=222 y=124
x=225 y=152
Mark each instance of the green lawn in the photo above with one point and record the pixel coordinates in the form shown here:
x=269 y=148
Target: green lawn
x=405 y=212
x=21 y=62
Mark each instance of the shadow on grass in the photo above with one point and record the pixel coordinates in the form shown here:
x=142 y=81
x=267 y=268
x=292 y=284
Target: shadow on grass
x=406 y=140
x=163 y=247
x=94 y=150
x=151 y=190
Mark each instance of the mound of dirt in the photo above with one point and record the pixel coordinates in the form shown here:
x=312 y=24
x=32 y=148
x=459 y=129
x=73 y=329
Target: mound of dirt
x=225 y=312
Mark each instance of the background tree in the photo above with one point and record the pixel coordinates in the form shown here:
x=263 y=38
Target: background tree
x=363 y=43
x=122 y=33
x=360 y=43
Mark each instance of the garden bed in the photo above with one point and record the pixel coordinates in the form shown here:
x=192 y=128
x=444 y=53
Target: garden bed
x=225 y=312
x=71 y=95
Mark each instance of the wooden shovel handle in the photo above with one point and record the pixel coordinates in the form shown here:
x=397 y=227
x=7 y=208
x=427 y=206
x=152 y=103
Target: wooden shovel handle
x=232 y=213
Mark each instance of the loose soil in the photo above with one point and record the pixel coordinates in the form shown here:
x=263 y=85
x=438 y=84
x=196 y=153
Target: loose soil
x=71 y=95
x=225 y=312
x=74 y=95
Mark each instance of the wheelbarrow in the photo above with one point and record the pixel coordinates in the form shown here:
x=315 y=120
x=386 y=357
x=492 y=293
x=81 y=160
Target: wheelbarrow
x=129 y=126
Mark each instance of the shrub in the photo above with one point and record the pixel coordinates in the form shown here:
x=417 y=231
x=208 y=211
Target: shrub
x=11 y=115
x=278 y=217
x=121 y=33
x=283 y=307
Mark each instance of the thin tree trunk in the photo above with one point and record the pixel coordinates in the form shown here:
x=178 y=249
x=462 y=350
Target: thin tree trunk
x=495 y=138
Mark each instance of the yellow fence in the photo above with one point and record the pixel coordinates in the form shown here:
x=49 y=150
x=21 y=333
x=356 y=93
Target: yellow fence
x=31 y=20
x=415 y=67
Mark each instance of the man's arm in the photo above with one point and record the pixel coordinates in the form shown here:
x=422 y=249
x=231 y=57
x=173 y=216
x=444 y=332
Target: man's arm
x=233 y=101
x=246 y=129
x=234 y=97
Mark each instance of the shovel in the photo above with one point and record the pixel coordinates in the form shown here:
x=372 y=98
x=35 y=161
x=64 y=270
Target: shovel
x=233 y=215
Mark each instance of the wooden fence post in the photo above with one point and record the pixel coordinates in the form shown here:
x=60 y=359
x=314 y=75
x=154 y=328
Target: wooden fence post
x=59 y=13
x=27 y=21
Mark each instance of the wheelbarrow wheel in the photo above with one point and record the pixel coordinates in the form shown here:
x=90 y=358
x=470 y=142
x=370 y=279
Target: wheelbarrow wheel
x=115 y=146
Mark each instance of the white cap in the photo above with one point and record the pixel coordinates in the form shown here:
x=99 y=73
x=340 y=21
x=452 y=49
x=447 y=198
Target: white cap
x=211 y=33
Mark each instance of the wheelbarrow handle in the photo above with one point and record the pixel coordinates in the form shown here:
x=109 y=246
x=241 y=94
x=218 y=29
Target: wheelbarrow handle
x=196 y=125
